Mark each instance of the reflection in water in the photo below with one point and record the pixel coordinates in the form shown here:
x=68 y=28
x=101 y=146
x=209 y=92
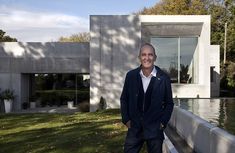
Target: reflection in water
x=219 y=112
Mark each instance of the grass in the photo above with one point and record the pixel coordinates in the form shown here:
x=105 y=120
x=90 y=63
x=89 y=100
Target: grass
x=100 y=132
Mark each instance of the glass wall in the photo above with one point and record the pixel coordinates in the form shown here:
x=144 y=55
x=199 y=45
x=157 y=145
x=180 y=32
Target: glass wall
x=167 y=53
x=57 y=89
x=187 y=51
x=177 y=56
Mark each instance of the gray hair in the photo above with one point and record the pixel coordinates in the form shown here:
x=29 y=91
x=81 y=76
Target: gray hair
x=147 y=44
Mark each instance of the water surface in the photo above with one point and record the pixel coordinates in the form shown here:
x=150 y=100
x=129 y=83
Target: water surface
x=219 y=112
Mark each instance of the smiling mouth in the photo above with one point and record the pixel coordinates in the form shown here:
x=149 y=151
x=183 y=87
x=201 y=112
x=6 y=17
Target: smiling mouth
x=147 y=62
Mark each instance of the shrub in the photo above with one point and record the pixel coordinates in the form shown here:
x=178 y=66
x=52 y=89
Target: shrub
x=84 y=106
x=228 y=76
x=25 y=105
x=60 y=97
x=102 y=104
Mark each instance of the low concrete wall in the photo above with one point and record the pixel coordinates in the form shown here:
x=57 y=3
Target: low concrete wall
x=168 y=147
x=202 y=136
x=221 y=141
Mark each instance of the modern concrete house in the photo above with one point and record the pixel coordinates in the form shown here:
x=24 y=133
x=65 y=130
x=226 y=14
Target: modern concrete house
x=182 y=45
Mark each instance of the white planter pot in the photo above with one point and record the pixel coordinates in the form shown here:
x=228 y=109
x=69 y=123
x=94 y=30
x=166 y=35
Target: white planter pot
x=70 y=104
x=32 y=104
x=8 y=105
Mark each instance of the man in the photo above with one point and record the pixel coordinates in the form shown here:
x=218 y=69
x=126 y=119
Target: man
x=146 y=104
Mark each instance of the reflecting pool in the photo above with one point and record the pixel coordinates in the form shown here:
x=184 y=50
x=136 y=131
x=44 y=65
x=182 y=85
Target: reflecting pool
x=219 y=112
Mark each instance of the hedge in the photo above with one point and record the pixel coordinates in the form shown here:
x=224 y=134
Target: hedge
x=60 y=97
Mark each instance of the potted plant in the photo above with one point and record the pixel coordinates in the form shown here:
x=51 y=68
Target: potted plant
x=32 y=101
x=8 y=97
x=70 y=100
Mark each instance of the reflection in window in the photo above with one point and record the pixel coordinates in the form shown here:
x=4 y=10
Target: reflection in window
x=166 y=50
x=177 y=57
x=58 y=89
x=187 y=50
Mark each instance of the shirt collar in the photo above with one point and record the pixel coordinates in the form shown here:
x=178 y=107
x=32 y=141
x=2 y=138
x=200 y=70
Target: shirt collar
x=153 y=73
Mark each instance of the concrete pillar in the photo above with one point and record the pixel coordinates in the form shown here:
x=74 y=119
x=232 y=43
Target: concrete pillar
x=114 y=45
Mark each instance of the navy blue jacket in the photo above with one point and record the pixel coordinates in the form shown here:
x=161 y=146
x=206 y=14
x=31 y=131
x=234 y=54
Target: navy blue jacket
x=160 y=108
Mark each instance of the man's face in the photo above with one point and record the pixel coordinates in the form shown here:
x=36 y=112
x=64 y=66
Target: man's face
x=147 y=57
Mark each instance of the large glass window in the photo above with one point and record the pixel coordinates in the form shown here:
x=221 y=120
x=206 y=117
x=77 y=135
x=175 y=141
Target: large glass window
x=167 y=52
x=58 y=89
x=177 y=57
x=187 y=59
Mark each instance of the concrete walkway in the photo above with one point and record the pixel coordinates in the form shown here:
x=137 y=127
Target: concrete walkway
x=54 y=109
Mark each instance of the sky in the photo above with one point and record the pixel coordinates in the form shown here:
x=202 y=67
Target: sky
x=47 y=20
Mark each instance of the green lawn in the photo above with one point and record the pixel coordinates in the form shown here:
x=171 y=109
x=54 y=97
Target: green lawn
x=92 y=132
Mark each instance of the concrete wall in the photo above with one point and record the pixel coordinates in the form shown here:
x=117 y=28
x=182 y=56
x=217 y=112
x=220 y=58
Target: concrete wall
x=202 y=136
x=50 y=57
x=214 y=56
x=18 y=60
x=12 y=81
x=114 y=45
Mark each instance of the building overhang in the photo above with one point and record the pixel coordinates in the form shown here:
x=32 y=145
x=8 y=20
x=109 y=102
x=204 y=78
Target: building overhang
x=171 y=29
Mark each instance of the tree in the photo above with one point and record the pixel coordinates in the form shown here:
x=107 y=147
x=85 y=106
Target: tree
x=176 y=7
x=80 y=37
x=221 y=11
x=230 y=19
x=7 y=38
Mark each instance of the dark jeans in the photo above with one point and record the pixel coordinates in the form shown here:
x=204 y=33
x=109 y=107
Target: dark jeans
x=134 y=142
